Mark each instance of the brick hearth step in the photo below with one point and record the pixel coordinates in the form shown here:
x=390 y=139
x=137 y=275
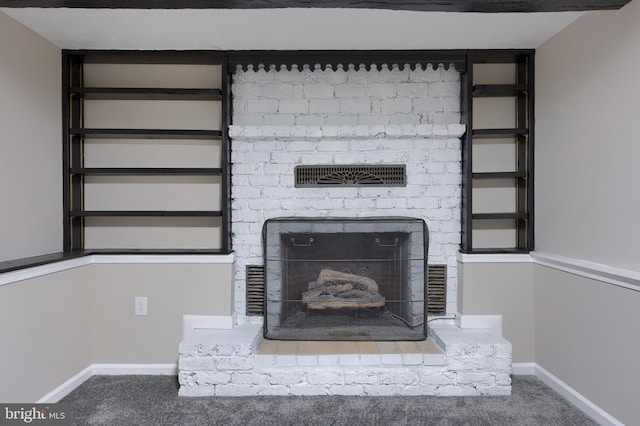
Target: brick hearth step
x=240 y=362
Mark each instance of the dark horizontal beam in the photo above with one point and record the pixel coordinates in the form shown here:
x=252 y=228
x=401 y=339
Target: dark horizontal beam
x=483 y=6
x=177 y=57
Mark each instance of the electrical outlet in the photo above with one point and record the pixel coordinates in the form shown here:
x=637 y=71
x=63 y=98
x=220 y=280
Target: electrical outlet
x=140 y=305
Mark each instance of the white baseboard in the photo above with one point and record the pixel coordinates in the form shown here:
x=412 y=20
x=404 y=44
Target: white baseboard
x=106 y=370
x=518 y=368
x=64 y=389
x=567 y=392
x=576 y=398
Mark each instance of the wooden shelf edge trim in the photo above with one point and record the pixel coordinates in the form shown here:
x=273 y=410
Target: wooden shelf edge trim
x=499 y=90
x=498 y=216
x=110 y=171
x=146 y=213
x=141 y=93
x=145 y=133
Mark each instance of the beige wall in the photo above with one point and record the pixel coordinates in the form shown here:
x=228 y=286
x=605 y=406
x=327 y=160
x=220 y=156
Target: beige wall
x=30 y=147
x=587 y=335
x=45 y=332
x=587 y=147
x=172 y=290
x=54 y=326
x=501 y=289
x=587 y=88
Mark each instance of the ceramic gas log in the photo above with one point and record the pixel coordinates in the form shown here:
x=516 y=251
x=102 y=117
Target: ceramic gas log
x=342 y=290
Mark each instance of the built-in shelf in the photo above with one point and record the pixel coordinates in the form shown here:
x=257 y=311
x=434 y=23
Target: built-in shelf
x=97 y=135
x=146 y=213
x=126 y=171
x=498 y=133
x=500 y=175
x=498 y=90
x=139 y=93
x=30 y=262
x=508 y=74
x=494 y=216
x=146 y=133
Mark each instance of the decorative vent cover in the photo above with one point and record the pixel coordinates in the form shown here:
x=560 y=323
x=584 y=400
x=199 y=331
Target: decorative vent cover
x=356 y=175
x=255 y=289
x=437 y=289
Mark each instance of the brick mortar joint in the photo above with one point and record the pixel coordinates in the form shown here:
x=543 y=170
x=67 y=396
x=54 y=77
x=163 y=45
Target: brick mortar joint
x=358 y=132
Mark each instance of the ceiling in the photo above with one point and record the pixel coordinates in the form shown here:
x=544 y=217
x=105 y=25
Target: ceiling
x=287 y=28
x=486 y=6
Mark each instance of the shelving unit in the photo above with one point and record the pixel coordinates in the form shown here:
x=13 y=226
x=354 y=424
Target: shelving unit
x=145 y=133
x=497 y=199
x=141 y=93
x=177 y=158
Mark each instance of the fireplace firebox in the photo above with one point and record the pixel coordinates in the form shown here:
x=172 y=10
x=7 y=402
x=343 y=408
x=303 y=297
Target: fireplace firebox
x=345 y=278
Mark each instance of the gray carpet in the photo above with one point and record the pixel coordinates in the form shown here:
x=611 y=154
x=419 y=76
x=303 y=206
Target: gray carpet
x=154 y=400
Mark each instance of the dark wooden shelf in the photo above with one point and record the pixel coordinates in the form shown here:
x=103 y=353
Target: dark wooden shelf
x=498 y=133
x=494 y=216
x=517 y=85
x=176 y=57
x=120 y=171
x=146 y=133
x=146 y=213
x=77 y=132
x=162 y=251
x=139 y=93
x=499 y=175
x=30 y=262
x=499 y=90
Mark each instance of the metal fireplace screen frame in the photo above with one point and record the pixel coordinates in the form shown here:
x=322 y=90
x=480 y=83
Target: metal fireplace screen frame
x=345 y=278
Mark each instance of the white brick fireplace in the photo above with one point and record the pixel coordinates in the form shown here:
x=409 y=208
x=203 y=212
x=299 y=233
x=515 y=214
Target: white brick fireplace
x=283 y=118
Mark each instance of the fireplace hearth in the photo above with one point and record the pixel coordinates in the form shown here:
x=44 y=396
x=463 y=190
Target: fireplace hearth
x=345 y=278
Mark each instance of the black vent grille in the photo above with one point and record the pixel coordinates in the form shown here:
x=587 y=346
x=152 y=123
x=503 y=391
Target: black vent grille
x=255 y=289
x=437 y=289
x=356 y=175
